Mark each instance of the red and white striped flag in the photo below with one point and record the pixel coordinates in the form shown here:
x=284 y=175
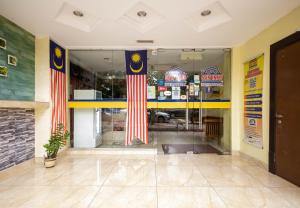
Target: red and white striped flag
x=58 y=86
x=137 y=118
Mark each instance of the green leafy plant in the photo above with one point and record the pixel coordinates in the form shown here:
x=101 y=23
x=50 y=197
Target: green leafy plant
x=57 y=140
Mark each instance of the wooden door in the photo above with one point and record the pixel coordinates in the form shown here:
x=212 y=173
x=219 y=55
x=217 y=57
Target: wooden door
x=286 y=111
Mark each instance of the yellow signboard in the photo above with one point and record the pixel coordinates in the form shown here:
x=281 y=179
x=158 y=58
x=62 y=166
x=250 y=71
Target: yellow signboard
x=253 y=94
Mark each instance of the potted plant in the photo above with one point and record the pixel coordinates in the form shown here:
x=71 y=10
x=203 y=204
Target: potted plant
x=57 y=140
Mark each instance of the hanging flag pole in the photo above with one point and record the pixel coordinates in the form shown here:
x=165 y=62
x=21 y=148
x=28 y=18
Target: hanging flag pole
x=136 y=77
x=58 y=85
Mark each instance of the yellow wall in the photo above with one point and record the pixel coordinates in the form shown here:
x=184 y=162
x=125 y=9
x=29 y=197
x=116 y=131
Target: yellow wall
x=236 y=100
x=42 y=94
x=252 y=48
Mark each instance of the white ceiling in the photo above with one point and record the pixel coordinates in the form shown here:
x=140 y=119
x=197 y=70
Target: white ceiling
x=246 y=18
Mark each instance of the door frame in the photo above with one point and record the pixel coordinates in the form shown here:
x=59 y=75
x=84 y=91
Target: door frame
x=272 y=121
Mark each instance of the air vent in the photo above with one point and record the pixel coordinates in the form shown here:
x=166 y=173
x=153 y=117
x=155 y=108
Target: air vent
x=145 y=41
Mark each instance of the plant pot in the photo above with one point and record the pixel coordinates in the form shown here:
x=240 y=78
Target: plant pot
x=49 y=162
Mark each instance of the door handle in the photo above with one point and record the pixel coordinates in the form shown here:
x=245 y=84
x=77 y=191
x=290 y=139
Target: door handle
x=278 y=116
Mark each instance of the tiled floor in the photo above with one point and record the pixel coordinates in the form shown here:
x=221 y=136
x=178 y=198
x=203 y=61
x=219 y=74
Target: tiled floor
x=146 y=181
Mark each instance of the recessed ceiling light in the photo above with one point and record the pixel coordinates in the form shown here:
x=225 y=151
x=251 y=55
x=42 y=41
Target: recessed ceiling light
x=205 y=13
x=141 y=13
x=78 y=13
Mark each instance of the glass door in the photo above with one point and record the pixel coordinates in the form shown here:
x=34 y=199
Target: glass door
x=211 y=112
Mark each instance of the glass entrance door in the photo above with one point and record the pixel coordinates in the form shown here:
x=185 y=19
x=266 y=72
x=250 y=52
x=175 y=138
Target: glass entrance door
x=190 y=89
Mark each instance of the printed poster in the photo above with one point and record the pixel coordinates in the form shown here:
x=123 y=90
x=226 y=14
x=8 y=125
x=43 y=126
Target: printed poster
x=211 y=77
x=151 y=92
x=175 y=93
x=196 y=79
x=253 y=94
x=175 y=78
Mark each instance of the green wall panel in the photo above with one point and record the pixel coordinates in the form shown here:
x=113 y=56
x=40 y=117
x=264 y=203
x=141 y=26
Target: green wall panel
x=19 y=84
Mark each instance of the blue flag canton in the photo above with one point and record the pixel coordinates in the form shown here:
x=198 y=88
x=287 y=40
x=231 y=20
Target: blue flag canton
x=57 y=57
x=136 y=62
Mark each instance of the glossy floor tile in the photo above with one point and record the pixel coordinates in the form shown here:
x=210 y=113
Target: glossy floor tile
x=163 y=181
x=188 y=197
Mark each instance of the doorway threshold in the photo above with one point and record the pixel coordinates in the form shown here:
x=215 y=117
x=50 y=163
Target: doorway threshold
x=112 y=151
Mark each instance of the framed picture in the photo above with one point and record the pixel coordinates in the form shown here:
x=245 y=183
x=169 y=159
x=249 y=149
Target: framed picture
x=12 y=60
x=2 y=43
x=3 y=71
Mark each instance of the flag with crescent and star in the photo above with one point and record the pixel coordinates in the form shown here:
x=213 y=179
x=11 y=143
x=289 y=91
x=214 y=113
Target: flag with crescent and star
x=136 y=62
x=58 y=85
x=57 y=57
x=137 y=117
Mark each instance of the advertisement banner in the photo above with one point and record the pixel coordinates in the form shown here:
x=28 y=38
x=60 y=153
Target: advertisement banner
x=211 y=77
x=253 y=89
x=175 y=78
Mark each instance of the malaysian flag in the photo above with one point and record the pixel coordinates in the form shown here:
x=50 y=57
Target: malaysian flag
x=58 y=85
x=136 y=76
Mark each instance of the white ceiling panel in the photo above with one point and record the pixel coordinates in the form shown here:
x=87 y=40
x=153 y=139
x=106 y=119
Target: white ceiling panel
x=168 y=27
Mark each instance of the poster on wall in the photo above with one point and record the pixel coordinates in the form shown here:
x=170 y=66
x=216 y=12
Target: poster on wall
x=151 y=92
x=253 y=94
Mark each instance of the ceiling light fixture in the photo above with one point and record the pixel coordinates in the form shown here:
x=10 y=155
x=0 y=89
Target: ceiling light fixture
x=78 y=13
x=141 y=13
x=205 y=13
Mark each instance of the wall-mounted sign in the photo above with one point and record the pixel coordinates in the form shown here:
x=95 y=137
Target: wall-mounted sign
x=151 y=92
x=253 y=88
x=167 y=93
x=211 y=76
x=162 y=88
x=175 y=77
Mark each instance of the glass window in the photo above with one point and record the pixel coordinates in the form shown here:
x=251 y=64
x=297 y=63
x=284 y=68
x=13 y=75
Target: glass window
x=182 y=78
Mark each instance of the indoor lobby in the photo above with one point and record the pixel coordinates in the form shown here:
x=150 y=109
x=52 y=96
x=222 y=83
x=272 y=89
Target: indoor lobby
x=155 y=104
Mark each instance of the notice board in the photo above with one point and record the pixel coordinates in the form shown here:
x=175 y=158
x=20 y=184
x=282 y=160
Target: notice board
x=253 y=100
